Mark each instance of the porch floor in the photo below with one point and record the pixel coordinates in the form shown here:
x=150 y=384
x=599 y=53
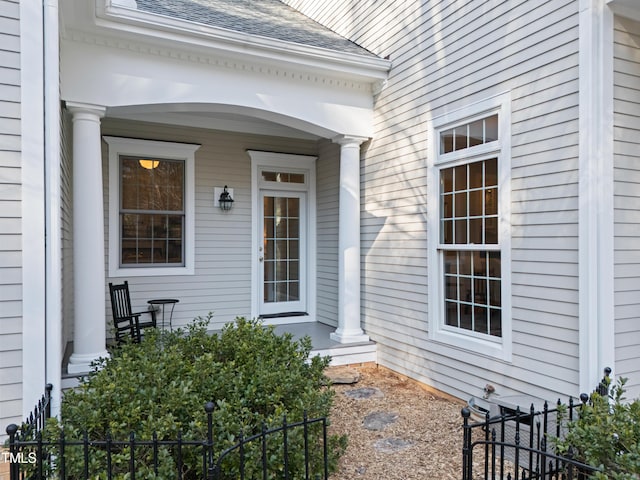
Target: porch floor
x=322 y=344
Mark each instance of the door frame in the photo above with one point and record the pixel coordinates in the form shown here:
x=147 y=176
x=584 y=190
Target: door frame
x=296 y=163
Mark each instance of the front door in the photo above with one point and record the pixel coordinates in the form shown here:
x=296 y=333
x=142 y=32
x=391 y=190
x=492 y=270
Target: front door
x=283 y=224
x=282 y=256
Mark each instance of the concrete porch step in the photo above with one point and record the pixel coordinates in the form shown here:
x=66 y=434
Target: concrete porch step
x=322 y=344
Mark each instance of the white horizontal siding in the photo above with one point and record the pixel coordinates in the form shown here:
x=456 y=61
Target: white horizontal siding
x=66 y=227
x=328 y=180
x=10 y=217
x=222 y=280
x=447 y=55
x=627 y=202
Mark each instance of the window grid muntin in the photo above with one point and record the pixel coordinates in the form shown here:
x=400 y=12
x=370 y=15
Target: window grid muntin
x=283 y=176
x=466 y=303
x=173 y=241
x=281 y=276
x=467 y=135
x=456 y=222
x=469 y=206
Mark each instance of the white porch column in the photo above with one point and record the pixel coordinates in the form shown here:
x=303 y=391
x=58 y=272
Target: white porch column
x=89 y=337
x=349 y=330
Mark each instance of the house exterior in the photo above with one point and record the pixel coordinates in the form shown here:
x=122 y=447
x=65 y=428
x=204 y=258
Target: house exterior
x=454 y=183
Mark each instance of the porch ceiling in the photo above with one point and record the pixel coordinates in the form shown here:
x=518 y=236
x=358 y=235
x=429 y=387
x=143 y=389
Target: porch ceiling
x=215 y=117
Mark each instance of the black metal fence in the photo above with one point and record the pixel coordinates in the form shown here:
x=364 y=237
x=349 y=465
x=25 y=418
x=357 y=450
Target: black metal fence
x=290 y=450
x=515 y=445
x=33 y=424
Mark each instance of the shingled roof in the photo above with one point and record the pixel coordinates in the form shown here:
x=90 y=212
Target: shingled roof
x=267 y=18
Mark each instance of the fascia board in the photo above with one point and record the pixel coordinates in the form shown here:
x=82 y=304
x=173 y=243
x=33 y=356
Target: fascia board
x=135 y=23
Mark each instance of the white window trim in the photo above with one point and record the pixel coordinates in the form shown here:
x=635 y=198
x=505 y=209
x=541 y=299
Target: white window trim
x=175 y=151
x=498 y=347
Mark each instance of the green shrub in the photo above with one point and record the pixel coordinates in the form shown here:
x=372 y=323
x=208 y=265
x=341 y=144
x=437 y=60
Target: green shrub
x=253 y=376
x=606 y=434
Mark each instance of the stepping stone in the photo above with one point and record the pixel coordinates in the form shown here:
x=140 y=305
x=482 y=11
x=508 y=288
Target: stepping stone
x=391 y=445
x=342 y=375
x=364 y=393
x=379 y=420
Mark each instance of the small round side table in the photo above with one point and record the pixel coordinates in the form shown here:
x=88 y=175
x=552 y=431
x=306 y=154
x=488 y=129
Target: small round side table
x=164 y=302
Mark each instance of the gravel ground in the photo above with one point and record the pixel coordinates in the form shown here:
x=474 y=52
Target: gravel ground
x=422 y=442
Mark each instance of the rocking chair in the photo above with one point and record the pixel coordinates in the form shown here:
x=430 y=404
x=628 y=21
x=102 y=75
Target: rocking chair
x=127 y=324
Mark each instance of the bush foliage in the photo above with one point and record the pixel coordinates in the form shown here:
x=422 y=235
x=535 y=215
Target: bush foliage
x=606 y=434
x=160 y=386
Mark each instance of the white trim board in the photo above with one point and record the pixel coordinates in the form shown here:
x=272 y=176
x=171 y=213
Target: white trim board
x=596 y=302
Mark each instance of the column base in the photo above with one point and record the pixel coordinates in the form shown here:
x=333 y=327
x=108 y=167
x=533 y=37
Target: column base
x=354 y=336
x=81 y=362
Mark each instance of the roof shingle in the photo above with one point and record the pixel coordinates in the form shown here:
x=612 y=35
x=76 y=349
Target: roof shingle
x=267 y=18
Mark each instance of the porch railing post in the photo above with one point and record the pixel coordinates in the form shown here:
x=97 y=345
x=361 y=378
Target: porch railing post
x=47 y=406
x=14 y=468
x=603 y=387
x=466 y=444
x=210 y=465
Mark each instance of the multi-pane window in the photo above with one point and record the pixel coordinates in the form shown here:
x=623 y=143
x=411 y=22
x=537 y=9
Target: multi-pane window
x=469 y=134
x=282 y=177
x=469 y=232
x=152 y=211
x=469 y=199
x=151 y=207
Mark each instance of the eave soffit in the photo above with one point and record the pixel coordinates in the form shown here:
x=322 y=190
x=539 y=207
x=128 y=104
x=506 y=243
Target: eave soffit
x=625 y=8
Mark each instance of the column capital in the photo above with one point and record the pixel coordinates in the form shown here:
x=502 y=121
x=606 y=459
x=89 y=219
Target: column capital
x=346 y=140
x=78 y=107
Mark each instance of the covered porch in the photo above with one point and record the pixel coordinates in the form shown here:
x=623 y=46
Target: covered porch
x=282 y=132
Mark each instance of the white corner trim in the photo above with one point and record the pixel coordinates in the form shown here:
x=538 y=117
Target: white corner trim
x=33 y=204
x=53 y=178
x=596 y=302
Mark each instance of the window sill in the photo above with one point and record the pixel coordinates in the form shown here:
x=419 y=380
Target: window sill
x=494 y=349
x=150 y=271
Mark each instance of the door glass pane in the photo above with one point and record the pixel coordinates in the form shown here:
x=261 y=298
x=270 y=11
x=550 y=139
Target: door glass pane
x=268 y=206
x=281 y=228
x=294 y=270
x=269 y=271
x=294 y=250
x=281 y=249
x=280 y=207
x=294 y=291
x=269 y=292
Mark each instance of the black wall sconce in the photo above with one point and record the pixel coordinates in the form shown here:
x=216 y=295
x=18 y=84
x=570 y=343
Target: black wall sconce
x=225 y=201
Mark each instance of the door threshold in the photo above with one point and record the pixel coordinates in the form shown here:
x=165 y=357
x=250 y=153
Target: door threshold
x=285 y=318
x=283 y=314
